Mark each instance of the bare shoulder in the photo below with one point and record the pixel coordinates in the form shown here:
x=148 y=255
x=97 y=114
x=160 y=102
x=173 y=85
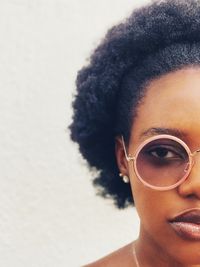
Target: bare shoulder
x=118 y=258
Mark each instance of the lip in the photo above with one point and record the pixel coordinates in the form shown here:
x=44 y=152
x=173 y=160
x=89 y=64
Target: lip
x=187 y=224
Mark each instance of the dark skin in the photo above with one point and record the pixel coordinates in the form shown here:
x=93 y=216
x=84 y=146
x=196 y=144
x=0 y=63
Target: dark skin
x=171 y=102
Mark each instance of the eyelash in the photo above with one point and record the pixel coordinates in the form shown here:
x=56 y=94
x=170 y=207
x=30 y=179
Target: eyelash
x=177 y=154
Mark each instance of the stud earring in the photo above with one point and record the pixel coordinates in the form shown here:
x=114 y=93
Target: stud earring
x=125 y=178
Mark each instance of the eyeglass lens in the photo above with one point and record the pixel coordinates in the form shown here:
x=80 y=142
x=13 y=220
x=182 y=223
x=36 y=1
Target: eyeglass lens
x=162 y=162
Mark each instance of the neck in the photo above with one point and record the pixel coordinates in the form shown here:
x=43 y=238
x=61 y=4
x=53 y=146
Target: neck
x=135 y=256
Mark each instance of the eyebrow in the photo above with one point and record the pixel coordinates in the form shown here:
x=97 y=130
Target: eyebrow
x=156 y=131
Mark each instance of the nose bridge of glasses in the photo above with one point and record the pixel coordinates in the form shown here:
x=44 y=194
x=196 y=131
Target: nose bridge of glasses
x=195 y=152
x=193 y=155
x=192 y=160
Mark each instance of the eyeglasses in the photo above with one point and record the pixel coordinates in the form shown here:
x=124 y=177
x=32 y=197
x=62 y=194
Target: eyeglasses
x=162 y=162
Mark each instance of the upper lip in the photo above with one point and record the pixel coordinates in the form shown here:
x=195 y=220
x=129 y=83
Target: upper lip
x=190 y=216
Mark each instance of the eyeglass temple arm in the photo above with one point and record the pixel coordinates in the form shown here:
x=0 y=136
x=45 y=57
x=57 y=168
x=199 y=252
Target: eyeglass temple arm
x=128 y=158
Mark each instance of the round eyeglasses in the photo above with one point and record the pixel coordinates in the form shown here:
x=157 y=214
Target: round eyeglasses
x=162 y=162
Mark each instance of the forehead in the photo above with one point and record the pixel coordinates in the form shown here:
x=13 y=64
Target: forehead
x=171 y=101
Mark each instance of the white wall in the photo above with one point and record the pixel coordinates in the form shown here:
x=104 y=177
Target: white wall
x=49 y=214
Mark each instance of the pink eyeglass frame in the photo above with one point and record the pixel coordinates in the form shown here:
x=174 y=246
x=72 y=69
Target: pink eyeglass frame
x=161 y=136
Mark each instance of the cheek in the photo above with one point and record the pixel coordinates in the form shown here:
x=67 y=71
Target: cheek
x=152 y=206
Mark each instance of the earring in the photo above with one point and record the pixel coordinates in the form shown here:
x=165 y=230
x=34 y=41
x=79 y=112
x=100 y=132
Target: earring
x=125 y=178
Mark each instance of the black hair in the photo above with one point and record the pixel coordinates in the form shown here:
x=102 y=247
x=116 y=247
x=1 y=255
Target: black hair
x=159 y=38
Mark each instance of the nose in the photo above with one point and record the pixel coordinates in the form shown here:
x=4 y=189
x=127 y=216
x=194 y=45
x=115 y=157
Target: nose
x=191 y=186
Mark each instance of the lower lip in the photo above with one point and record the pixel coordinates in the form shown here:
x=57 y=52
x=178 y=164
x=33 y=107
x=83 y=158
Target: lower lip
x=187 y=230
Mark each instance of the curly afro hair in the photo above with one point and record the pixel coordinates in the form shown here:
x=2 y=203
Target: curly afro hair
x=159 y=38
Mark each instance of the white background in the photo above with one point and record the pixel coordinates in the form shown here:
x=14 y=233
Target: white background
x=49 y=214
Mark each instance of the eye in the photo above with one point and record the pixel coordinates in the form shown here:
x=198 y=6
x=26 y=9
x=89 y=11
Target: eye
x=165 y=153
x=161 y=152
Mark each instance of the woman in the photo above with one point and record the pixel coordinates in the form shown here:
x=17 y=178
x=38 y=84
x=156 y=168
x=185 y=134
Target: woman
x=136 y=119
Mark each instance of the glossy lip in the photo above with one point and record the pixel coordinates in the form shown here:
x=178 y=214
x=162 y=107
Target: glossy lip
x=187 y=224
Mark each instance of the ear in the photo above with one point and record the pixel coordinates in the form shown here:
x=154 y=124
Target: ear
x=120 y=156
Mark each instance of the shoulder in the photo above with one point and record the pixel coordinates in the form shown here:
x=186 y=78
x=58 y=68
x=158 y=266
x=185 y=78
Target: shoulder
x=118 y=258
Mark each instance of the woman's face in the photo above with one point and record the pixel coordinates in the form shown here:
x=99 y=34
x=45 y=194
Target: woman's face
x=172 y=102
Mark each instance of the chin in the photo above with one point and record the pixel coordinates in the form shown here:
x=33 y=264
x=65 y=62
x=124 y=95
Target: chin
x=187 y=253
